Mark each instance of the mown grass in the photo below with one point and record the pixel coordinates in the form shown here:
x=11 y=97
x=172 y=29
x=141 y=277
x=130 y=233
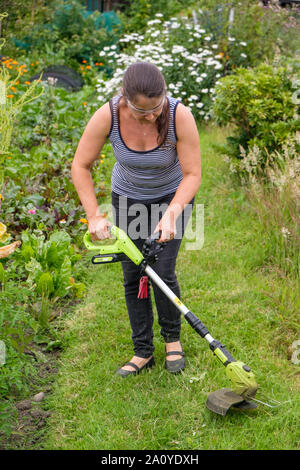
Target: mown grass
x=229 y=285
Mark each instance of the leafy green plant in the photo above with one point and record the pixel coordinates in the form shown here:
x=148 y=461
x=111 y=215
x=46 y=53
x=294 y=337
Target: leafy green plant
x=260 y=104
x=137 y=13
x=50 y=264
x=68 y=28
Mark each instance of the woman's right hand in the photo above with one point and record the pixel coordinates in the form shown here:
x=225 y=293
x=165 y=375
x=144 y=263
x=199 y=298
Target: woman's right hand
x=98 y=228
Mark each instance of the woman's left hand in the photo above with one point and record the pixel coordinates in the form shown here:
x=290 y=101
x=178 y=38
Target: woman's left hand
x=167 y=227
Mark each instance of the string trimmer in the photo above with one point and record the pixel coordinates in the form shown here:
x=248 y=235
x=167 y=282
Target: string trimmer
x=243 y=383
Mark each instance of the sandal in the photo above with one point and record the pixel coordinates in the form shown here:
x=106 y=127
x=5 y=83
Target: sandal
x=174 y=367
x=124 y=373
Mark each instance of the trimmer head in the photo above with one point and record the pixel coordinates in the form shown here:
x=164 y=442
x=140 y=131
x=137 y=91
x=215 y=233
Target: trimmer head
x=222 y=400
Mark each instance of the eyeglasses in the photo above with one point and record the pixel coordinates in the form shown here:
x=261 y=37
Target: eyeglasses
x=145 y=112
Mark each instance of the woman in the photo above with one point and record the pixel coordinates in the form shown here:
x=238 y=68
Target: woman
x=156 y=145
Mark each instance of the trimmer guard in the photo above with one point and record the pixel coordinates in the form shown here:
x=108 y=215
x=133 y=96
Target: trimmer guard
x=222 y=400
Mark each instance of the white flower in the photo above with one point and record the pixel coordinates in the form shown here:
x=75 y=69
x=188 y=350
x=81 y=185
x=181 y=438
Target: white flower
x=243 y=55
x=178 y=49
x=154 y=22
x=285 y=232
x=200 y=105
x=204 y=90
x=243 y=43
x=52 y=81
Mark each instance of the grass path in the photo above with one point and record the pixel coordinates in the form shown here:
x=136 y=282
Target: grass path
x=224 y=284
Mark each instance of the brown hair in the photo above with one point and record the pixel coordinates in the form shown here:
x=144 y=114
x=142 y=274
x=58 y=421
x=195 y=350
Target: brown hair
x=146 y=79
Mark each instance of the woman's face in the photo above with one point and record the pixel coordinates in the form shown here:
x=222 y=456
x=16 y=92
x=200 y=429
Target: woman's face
x=143 y=108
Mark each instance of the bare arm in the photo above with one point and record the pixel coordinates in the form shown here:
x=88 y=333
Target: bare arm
x=188 y=150
x=88 y=150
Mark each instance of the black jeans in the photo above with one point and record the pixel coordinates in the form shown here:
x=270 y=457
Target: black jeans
x=140 y=312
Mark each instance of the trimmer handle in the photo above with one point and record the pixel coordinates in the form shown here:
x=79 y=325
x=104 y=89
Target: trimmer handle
x=151 y=247
x=122 y=244
x=92 y=246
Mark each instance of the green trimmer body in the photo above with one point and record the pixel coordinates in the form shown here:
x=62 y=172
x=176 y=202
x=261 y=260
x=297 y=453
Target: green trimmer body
x=243 y=383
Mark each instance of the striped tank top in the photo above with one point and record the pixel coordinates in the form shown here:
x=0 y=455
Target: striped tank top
x=144 y=174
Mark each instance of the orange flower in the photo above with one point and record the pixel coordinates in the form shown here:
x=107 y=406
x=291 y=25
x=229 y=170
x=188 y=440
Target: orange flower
x=10 y=96
x=84 y=103
x=13 y=89
x=84 y=61
x=27 y=83
x=88 y=67
x=18 y=82
x=84 y=221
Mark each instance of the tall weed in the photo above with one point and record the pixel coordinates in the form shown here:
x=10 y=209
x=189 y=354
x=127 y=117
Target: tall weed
x=276 y=200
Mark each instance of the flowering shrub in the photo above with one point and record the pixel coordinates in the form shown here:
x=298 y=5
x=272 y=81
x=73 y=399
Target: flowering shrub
x=185 y=53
